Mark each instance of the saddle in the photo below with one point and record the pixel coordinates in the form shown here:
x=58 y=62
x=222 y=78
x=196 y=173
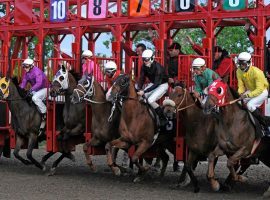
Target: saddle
x=261 y=130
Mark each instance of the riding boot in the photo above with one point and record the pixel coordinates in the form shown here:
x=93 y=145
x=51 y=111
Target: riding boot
x=264 y=120
x=42 y=132
x=162 y=118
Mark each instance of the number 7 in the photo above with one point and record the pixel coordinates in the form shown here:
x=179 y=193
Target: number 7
x=139 y=6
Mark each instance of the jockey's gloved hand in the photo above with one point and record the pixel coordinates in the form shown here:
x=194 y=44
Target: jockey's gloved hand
x=29 y=93
x=243 y=96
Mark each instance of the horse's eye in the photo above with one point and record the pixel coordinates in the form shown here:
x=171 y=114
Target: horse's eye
x=3 y=86
x=219 y=90
x=61 y=78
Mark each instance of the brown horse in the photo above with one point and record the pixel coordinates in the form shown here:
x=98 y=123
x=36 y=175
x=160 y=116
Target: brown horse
x=104 y=126
x=137 y=127
x=199 y=132
x=236 y=132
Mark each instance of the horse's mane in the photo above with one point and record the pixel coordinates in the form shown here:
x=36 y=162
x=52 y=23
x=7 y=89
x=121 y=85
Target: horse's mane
x=76 y=75
x=22 y=92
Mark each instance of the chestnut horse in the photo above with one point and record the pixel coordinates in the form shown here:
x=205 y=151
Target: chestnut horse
x=104 y=125
x=199 y=132
x=137 y=127
x=236 y=132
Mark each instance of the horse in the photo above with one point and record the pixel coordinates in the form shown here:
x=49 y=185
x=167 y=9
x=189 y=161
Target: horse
x=236 y=131
x=65 y=82
x=26 y=119
x=104 y=124
x=199 y=130
x=137 y=126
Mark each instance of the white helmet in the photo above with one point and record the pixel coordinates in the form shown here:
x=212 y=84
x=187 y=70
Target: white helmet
x=245 y=56
x=110 y=67
x=198 y=63
x=87 y=53
x=28 y=61
x=148 y=55
x=244 y=61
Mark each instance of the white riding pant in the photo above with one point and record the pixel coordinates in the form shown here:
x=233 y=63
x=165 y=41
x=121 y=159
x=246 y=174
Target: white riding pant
x=255 y=102
x=156 y=94
x=38 y=98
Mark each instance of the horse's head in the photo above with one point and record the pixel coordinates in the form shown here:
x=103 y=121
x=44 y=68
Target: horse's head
x=85 y=88
x=217 y=92
x=4 y=87
x=60 y=82
x=178 y=95
x=120 y=87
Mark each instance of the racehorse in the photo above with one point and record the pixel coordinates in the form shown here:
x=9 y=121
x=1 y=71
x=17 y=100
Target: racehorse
x=137 y=127
x=65 y=82
x=26 y=119
x=105 y=119
x=199 y=132
x=236 y=131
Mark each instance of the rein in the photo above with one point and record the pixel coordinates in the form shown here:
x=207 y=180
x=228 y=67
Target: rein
x=184 y=98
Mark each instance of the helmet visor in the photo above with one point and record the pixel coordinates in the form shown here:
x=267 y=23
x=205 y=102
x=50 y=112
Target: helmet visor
x=146 y=59
x=242 y=63
x=25 y=66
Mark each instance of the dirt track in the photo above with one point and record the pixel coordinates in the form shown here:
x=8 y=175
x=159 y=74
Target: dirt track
x=76 y=181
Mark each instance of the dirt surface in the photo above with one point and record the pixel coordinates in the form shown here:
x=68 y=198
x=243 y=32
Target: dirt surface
x=74 y=180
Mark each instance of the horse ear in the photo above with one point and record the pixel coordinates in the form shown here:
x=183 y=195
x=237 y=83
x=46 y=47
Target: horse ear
x=63 y=68
x=226 y=79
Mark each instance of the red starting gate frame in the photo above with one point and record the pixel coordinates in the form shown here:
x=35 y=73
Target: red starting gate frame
x=164 y=20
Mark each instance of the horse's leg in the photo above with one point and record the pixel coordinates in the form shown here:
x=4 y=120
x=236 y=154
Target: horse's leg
x=120 y=144
x=1 y=150
x=19 y=143
x=46 y=157
x=31 y=145
x=74 y=132
x=233 y=160
x=212 y=159
x=88 y=157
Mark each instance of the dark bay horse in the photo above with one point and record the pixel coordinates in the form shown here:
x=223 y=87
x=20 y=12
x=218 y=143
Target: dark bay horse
x=26 y=119
x=236 y=132
x=65 y=82
x=137 y=127
x=199 y=132
x=105 y=123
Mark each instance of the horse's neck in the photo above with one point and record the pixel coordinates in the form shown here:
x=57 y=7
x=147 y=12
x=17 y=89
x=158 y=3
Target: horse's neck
x=132 y=102
x=230 y=112
x=16 y=102
x=189 y=108
x=99 y=94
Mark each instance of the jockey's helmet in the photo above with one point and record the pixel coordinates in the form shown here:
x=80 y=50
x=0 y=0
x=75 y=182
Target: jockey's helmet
x=244 y=61
x=27 y=64
x=110 y=67
x=87 y=53
x=198 y=63
x=148 y=57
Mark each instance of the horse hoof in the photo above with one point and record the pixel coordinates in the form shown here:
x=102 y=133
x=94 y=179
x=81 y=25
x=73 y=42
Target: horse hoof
x=137 y=179
x=175 y=187
x=242 y=179
x=116 y=171
x=266 y=194
x=196 y=189
x=52 y=171
x=93 y=168
x=185 y=182
x=44 y=168
x=216 y=186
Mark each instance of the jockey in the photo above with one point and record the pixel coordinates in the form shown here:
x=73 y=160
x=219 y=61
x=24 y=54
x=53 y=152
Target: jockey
x=252 y=86
x=38 y=81
x=203 y=77
x=89 y=67
x=158 y=85
x=112 y=73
